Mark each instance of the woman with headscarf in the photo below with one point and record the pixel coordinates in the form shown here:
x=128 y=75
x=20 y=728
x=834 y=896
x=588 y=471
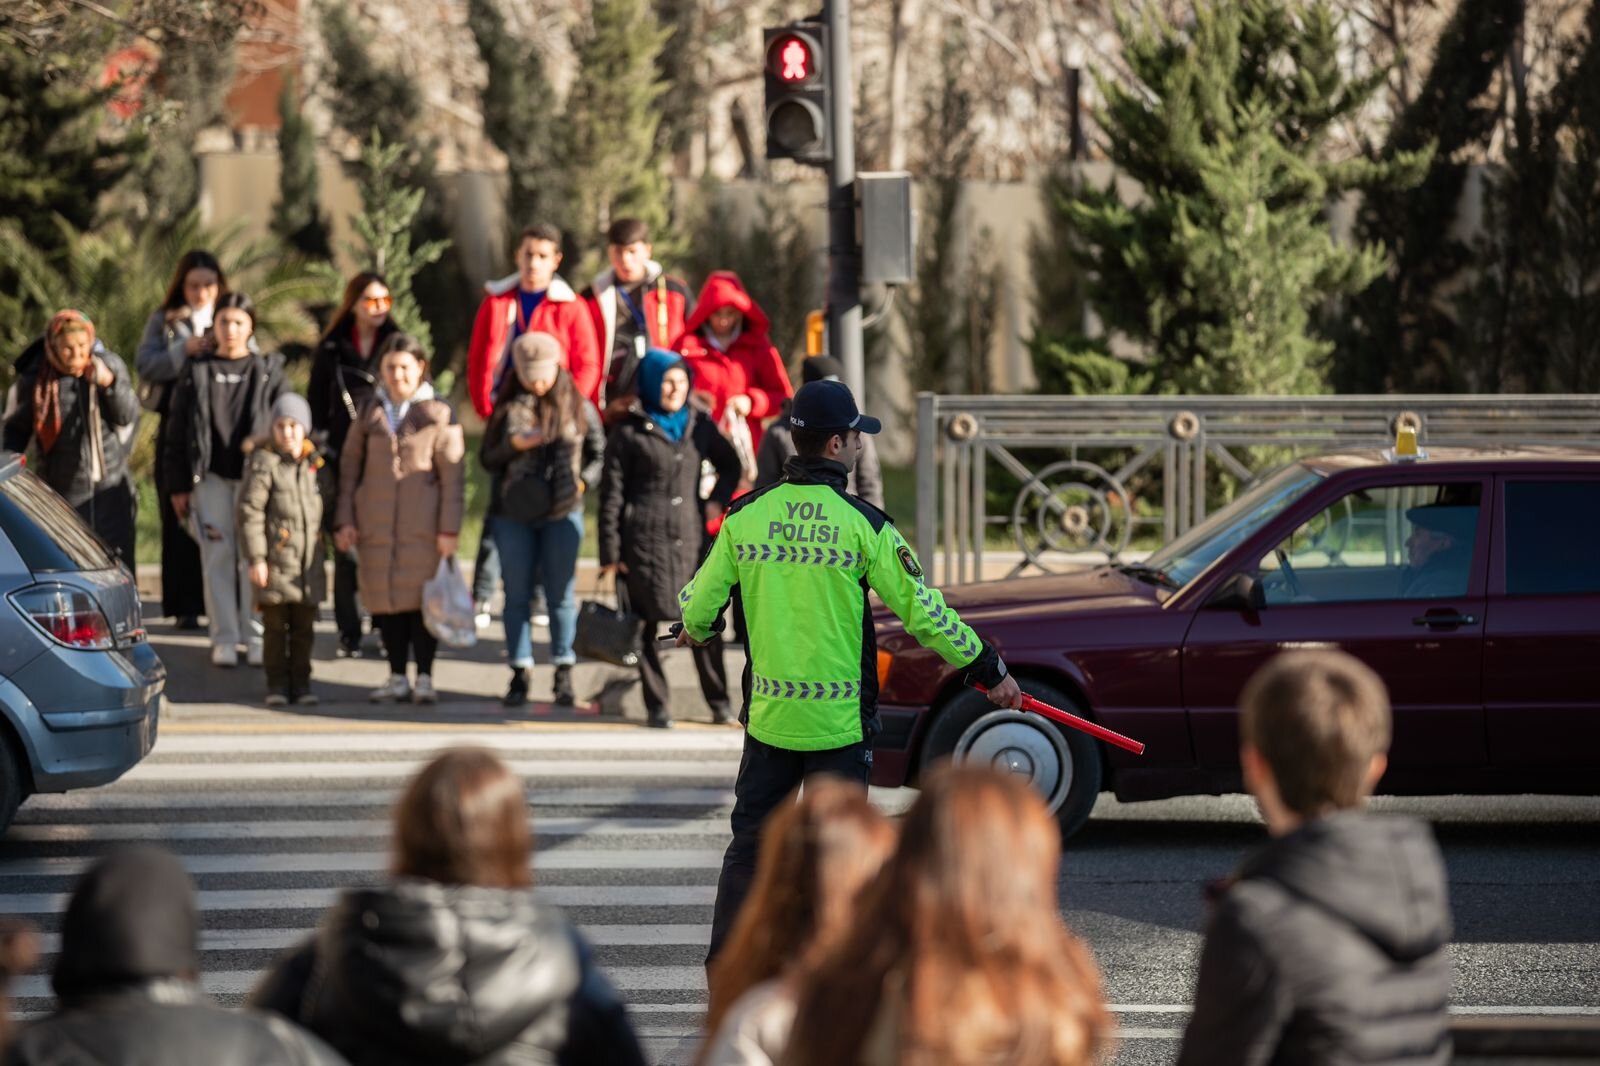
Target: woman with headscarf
x=543 y=447
x=651 y=515
x=178 y=331
x=71 y=403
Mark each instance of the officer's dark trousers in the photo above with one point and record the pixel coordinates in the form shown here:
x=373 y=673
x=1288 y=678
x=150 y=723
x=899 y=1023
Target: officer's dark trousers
x=767 y=776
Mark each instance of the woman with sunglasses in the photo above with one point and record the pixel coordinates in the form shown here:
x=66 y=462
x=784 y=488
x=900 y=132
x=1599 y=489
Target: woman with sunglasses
x=344 y=374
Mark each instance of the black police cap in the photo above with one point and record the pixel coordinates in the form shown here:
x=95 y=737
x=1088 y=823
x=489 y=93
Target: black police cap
x=828 y=405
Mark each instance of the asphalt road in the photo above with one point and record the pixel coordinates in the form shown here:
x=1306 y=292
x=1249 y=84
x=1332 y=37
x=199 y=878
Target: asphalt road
x=273 y=812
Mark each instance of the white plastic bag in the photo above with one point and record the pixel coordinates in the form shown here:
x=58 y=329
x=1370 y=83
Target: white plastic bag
x=447 y=606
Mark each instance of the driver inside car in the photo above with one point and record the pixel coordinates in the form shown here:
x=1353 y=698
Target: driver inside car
x=1438 y=551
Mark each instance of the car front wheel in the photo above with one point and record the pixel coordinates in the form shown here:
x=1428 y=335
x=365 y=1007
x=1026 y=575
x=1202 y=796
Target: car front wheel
x=1062 y=764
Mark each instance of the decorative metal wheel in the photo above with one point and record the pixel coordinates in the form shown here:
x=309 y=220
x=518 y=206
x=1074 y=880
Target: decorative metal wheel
x=1072 y=506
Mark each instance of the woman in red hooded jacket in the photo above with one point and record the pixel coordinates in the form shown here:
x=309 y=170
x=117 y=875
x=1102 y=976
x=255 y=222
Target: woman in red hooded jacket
x=727 y=343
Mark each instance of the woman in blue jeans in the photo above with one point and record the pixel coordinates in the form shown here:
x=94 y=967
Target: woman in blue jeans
x=543 y=446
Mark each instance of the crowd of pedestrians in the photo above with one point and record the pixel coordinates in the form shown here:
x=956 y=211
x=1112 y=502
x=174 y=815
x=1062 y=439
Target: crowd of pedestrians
x=631 y=389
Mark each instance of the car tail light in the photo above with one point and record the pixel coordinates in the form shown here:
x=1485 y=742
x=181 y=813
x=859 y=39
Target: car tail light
x=885 y=661
x=68 y=616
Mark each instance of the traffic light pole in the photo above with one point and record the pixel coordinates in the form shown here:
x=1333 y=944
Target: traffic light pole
x=844 y=256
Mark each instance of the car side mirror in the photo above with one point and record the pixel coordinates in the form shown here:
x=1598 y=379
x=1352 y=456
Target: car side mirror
x=1241 y=592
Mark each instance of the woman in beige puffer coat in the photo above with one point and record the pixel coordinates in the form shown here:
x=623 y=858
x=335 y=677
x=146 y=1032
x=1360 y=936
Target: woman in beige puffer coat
x=401 y=498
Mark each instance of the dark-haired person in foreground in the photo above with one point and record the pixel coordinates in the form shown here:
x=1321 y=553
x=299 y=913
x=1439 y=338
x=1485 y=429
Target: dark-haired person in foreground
x=807 y=553
x=454 y=961
x=127 y=982
x=1328 y=947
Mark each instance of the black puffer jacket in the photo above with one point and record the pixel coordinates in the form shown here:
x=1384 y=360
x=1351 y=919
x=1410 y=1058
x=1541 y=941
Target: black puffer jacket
x=420 y=972
x=163 y=1023
x=1329 y=949
x=342 y=381
x=66 y=467
x=186 y=453
x=650 y=513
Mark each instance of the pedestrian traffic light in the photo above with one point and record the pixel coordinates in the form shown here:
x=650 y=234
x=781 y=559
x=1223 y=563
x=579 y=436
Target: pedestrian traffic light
x=798 y=126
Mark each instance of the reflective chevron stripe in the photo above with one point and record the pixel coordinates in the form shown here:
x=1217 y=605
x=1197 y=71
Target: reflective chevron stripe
x=946 y=621
x=686 y=594
x=805 y=690
x=783 y=553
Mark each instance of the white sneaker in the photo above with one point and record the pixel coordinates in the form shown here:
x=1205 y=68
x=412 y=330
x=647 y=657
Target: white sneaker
x=424 y=693
x=252 y=654
x=397 y=688
x=480 y=616
x=224 y=655
x=541 y=620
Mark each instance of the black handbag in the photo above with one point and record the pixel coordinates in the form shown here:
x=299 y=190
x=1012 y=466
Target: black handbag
x=609 y=634
x=528 y=495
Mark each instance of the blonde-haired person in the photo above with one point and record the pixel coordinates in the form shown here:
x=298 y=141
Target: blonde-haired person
x=455 y=960
x=402 y=491
x=817 y=854
x=958 y=955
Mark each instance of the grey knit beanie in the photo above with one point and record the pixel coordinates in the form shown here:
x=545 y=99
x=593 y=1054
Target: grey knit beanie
x=291 y=405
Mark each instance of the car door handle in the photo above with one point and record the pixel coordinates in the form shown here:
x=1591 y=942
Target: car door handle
x=1454 y=618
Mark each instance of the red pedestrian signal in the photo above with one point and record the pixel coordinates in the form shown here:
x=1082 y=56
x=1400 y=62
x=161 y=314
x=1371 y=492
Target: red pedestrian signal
x=794 y=60
x=797 y=94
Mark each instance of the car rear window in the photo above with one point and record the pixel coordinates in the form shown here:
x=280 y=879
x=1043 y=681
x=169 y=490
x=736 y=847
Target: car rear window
x=46 y=532
x=1550 y=537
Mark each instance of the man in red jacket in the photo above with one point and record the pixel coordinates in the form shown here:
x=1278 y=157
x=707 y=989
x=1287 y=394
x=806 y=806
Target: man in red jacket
x=533 y=300
x=635 y=305
x=727 y=343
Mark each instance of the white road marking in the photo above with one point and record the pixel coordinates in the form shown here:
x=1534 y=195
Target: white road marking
x=652 y=935
x=111 y=798
x=543 y=828
x=374 y=861
x=603 y=741
x=609 y=769
x=289 y=899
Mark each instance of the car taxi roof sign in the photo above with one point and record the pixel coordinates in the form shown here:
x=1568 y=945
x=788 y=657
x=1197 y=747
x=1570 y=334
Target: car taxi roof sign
x=1405 y=448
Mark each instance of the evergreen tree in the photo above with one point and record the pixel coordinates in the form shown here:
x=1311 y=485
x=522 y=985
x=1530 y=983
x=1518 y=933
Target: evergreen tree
x=1531 y=321
x=519 y=115
x=1399 y=333
x=384 y=232
x=612 y=117
x=368 y=96
x=1216 y=270
x=775 y=257
x=195 y=71
x=297 y=216
x=57 y=158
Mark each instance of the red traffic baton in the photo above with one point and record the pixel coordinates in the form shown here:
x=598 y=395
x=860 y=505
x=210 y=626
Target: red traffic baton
x=1099 y=732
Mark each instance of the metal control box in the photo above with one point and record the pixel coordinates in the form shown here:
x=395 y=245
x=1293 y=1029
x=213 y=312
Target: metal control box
x=888 y=228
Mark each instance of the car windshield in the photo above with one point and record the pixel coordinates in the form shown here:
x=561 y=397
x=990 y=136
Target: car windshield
x=1184 y=559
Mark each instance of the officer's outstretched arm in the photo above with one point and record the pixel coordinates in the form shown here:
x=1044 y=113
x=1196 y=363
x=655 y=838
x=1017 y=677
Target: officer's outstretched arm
x=706 y=594
x=896 y=576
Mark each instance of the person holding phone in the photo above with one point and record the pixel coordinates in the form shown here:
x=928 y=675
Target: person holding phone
x=543 y=446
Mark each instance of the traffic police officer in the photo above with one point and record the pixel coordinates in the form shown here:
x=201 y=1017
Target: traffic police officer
x=805 y=554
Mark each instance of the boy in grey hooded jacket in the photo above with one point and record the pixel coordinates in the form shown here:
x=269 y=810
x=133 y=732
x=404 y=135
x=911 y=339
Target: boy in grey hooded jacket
x=1328 y=945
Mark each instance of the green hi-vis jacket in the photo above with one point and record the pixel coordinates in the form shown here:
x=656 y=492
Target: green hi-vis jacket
x=805 y=553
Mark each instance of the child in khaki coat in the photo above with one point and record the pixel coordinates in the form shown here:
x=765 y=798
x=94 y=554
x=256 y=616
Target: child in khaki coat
x=280 y=523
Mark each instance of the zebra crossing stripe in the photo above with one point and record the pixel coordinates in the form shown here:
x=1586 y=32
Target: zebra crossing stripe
x=358 y=829
x=317 y=899
x=377 y=861
x=154 y=770
x=601 y=935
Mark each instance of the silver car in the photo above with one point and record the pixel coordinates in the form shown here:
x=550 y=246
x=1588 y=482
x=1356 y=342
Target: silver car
x=80 y=686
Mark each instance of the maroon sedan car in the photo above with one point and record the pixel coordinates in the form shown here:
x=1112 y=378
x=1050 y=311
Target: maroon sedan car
x=1470 y=580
